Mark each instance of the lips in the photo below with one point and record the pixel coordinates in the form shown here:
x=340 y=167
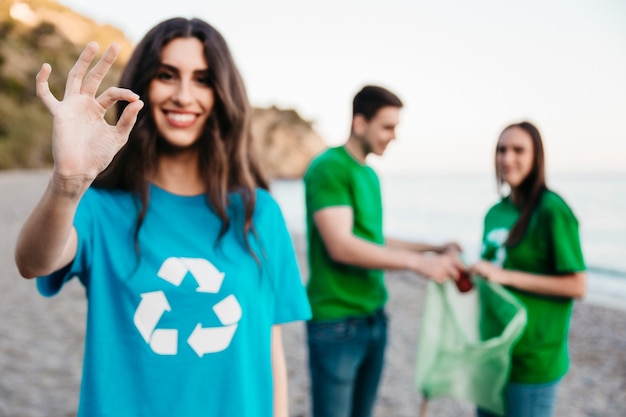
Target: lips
x=507 y=169
x=180 y=119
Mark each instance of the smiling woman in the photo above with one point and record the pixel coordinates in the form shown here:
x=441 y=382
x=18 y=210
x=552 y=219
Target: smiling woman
x=514 y=156
x=166 y=220
x=531 y=246
x=181 y=96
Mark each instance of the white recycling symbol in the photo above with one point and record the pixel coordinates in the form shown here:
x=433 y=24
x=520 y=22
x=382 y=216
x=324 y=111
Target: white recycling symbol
x=497 y=237
x=202 y=340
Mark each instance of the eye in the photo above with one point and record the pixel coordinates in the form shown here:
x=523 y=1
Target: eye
x=164 y=75
x=204 y=79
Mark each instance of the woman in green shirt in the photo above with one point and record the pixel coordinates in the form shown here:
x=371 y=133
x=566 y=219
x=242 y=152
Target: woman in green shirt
x=531 y=246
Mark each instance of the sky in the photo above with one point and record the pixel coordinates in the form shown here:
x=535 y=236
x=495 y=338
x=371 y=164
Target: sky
x=464 y=70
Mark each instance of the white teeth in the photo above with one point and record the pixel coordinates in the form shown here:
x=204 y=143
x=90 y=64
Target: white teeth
x=181 y=117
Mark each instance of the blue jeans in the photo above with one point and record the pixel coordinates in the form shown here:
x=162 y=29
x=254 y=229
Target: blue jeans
x=528 y=400
x=346 y=363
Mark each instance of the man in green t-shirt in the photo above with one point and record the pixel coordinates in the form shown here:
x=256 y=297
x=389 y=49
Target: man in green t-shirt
x=347 y=256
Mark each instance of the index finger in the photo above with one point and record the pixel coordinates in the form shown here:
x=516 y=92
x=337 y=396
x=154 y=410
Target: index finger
x=98 y=72
x=76 y=74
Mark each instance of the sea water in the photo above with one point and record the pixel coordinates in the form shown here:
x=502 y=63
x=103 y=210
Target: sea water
x=436 y=208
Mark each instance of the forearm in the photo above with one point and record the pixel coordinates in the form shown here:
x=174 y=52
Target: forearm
x=569 y=285
x=47 y=240
x=573 y=285
x=412 y=246
x=335 y=226
x=279 y=371
x=359 y=252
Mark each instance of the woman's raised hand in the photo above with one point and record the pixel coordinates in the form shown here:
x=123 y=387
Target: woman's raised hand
x=83 y=143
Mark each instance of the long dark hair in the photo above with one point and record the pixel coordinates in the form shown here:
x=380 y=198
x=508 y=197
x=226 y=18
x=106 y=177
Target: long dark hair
x=226 y=163
x=529 y=192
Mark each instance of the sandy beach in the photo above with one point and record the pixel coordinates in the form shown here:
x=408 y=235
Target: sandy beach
x=41 y=340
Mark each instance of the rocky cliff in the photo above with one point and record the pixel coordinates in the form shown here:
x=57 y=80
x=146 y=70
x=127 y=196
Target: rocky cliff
x=37 y=31
x=284 y=141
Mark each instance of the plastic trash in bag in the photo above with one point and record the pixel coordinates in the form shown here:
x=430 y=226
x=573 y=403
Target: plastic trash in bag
x=465 y=343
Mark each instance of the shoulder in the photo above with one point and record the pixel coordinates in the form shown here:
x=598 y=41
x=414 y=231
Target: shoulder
x=268 y=215
x=551 y=198
x=107 y=207
x=264 y=199
x=266 y=207
x=329 y=154
x=106 y=197
x=503 y=204
x=553 y=210
x=329 y=157
x=552 y=202
x=107 y=193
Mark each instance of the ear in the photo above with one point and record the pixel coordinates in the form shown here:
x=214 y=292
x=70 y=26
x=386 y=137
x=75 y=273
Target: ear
x=359 y=124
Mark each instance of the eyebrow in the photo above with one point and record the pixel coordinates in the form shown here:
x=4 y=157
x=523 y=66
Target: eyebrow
x=513 y=147
x=177 y=71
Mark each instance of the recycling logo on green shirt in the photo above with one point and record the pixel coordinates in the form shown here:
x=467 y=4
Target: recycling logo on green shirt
x=202 y=340
x=493 y=247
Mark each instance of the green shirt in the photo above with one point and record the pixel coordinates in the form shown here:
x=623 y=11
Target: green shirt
x=338 y=290
x=550 y=246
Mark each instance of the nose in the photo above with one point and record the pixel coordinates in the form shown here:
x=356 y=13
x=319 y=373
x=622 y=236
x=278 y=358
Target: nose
x=508 y=157
x=183 y=94
x=503 y=156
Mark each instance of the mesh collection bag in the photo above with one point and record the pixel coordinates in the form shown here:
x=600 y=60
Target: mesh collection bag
x=465 y=343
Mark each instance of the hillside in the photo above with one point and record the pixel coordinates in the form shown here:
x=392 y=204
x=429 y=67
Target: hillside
x=37 y=31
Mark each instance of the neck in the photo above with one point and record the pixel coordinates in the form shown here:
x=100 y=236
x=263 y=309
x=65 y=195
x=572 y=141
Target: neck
x=355 y=149
x=179 y=174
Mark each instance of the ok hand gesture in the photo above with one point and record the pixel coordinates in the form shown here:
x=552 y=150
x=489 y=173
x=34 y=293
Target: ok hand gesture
x=83 y=143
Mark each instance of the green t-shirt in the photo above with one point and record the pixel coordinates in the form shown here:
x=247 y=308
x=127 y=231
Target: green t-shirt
x=338 y=290
x=551 y=246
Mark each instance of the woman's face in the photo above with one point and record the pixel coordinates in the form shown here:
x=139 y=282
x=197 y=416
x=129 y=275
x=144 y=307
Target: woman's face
x=180 y=94
x=514 y=156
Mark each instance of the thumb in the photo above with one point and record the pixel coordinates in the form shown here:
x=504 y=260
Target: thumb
x=43 y=89
x=128 y=118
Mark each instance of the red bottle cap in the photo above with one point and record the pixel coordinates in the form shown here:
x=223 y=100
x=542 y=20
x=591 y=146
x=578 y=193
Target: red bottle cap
x=464 y=284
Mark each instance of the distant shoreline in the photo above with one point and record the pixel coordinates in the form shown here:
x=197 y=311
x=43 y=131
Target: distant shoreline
x=32 y=180
x=454 y=208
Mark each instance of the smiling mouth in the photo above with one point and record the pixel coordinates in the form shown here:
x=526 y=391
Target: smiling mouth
x=180 y=119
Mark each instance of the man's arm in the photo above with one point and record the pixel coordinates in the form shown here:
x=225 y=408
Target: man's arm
x=422 y=247
x=335 y=227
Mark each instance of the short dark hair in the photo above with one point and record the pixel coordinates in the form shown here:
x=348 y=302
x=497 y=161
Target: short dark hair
x=372 y=98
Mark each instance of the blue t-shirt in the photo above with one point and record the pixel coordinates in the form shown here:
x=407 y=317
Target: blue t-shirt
x=178 y=325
